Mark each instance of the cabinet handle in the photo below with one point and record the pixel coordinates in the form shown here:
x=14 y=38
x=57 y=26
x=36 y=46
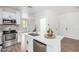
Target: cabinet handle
x=27 y=42
x=9 y=16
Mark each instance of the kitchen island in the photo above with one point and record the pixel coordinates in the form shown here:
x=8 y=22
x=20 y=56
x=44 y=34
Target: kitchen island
x=52 y=45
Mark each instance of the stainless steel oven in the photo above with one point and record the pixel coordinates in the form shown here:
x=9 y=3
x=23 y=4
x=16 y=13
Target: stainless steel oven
x=9 y=38
x=9 y=21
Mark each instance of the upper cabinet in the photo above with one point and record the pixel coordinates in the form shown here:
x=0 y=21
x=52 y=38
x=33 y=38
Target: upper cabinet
x=0 y=16
x=18 y=17
x=9 y=13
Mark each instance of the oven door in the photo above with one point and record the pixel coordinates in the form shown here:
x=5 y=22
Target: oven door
x=10 y=36
x=9 y=40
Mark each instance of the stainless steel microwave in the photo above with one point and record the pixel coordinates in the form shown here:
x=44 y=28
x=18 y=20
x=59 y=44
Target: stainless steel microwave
x=9 y=21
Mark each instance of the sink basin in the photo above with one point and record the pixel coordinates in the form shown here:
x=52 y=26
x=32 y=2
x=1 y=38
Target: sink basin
x=34 y=34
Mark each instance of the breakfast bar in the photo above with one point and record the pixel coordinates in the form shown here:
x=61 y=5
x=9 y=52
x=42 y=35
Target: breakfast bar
x=52 y=45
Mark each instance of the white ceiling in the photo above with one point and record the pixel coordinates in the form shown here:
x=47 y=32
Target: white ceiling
x=57 y=9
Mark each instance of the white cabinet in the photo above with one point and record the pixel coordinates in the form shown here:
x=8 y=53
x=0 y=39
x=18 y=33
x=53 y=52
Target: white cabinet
x=19 y=37
x=8 y=15
x=0 y=38
x=11 y=14
x=0 y=16
x=18 y=17
x=0 y=41
x=42 y=44
x=29 y=43
x=54 y=47
x=0 y=48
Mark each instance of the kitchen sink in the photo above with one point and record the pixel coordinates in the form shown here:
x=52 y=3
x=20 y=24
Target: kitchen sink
x=34 y=34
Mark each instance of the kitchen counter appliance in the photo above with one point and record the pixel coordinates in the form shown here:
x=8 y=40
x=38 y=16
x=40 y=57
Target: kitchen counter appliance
x=9 y=22
x=9 y=38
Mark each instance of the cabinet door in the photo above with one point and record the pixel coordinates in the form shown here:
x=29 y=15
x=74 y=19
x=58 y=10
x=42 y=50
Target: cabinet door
x=55 y=46
x=4 y=14
x=0 y=16
x=11 y=14
x=18 y=17
x=29 y=43
x=8 y=15
x=0 y=39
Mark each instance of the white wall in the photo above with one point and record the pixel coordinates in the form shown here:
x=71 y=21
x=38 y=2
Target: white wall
x=50 y=17
x=69 y=25
x=66 y=24
x=52 y=21
x=30 y=25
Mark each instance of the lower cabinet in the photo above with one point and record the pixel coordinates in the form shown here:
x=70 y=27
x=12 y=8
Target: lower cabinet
x=29 y=44
x=33 y=45
x=0 y=42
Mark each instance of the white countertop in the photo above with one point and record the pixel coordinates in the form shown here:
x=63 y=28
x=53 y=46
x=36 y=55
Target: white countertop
x=44 y=40
x=53 y=45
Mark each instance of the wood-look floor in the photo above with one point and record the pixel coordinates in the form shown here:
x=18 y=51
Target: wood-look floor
x=69 y=45
x=13 y=48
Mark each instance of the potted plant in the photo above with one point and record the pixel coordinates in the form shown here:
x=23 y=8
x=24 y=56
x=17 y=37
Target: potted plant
x=50 y=32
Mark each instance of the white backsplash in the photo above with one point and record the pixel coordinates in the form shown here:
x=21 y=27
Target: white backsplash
x=7 y=27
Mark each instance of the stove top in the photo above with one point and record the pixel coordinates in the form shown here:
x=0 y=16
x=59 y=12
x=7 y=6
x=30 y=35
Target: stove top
x=8 y=32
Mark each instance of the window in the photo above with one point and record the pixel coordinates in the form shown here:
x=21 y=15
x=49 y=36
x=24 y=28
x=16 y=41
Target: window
x=24 y=23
